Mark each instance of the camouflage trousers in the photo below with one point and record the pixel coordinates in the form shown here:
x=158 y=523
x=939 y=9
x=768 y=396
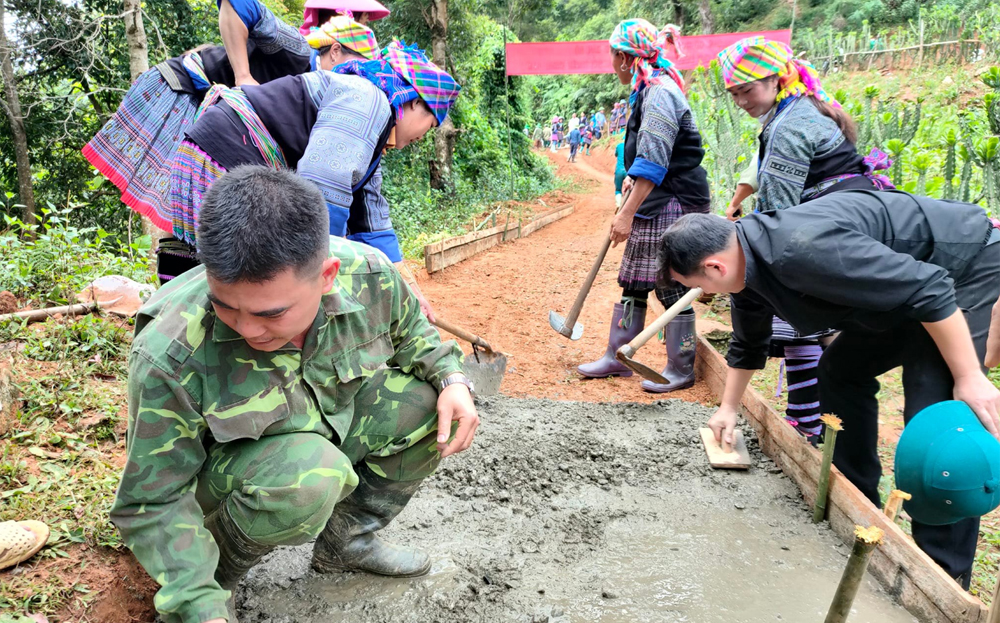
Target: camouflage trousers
x=281 y=489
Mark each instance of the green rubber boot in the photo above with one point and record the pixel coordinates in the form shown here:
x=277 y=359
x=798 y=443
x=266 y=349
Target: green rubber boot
x=238 y=553
x=349 y=543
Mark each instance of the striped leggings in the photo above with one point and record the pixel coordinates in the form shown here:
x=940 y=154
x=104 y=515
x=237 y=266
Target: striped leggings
x=803 y=411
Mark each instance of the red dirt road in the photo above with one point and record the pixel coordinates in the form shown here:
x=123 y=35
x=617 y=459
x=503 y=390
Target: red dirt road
x=505 y=295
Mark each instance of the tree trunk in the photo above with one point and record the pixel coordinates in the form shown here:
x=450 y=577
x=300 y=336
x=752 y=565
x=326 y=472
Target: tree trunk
x=138 y=63
x=705 y=14
x=678 y=14
x=135 y=34
x=444 y=136
x=12 y=106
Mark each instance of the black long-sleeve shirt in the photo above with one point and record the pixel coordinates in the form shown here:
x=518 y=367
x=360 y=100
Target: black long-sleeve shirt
x=853 y=260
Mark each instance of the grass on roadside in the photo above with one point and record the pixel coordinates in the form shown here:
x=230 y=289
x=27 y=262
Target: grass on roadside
x=60 y=455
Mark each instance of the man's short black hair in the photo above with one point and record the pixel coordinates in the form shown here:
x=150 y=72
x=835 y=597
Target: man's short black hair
x=689 y=241
x=256 y=222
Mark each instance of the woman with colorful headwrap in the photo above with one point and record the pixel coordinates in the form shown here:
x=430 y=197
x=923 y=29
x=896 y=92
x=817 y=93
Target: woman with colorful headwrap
x=807 y=141
x=135 y=147
x=806 y=150
x=330 y=41
x=663 y=154
x=331 y=126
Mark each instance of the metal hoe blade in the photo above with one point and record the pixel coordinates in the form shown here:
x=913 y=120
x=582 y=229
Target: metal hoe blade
x=486 y=370
x=639 y=368
x=558 y=323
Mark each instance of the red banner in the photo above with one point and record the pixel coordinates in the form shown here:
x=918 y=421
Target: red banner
x=594 y=57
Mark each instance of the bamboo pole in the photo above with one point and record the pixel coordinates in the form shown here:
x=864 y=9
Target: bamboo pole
x=865 y=540
x=833 y=425
x=894 y=502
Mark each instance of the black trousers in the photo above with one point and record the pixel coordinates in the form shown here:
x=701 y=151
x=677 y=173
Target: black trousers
x=848 y=389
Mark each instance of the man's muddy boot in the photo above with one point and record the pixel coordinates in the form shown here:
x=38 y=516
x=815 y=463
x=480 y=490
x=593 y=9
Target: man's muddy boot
x=681 y=342
x=238 y=553
x=626 y=323
x=349 y=543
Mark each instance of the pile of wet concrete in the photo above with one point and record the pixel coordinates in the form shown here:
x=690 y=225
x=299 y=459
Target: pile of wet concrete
x=565 y=511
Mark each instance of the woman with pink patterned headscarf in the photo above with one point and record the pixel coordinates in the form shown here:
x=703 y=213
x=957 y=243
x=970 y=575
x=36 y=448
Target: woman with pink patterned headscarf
x=663 y=156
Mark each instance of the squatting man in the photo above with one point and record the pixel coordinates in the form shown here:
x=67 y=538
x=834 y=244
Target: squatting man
x=289 y=389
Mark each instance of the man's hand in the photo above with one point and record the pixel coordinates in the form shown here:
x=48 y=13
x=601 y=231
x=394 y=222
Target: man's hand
x=245 y=80
x=982 y=397
x=455 y=405
x=723 y=423
x=621 y=227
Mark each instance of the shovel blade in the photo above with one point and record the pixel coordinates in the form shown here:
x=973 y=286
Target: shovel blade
x=641 y=369
x=486 y=373
x=558 y=323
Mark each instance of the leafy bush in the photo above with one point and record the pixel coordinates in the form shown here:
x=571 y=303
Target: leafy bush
x=51 y=262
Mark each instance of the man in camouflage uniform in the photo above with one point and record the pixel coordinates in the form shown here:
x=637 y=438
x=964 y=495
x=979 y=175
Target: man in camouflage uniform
x=289 y=390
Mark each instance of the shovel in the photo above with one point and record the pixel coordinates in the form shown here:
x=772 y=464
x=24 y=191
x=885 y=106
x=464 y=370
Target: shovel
x=568 y=326
x=485 y=367
x=626 y=352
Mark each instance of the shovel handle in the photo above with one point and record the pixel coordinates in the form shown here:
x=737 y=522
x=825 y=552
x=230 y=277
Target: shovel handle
x=664 y=319
x=588 y=283
x=462 y=333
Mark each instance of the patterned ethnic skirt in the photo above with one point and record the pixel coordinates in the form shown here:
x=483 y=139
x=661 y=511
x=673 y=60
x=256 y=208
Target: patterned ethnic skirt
x=136 y=146
x=640 y=263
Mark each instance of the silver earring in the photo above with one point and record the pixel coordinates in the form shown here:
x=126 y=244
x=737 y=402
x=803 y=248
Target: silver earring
x=623 y=68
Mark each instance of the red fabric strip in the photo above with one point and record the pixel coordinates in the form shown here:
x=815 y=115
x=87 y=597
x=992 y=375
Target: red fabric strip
x=594 y=57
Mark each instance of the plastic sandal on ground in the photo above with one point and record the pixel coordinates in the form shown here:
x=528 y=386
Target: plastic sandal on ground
x=20 y=540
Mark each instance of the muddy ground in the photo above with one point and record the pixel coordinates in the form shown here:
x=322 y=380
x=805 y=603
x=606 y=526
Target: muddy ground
x=571 y=511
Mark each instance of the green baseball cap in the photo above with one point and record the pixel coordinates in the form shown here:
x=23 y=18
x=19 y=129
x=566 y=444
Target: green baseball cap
x=949 y=463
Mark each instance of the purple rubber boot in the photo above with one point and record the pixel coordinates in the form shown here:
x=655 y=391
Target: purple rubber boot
x=681 y=342
x=626 y=323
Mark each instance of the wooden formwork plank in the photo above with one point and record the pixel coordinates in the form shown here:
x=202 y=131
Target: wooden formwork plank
x=440 y=255
x=916 y=581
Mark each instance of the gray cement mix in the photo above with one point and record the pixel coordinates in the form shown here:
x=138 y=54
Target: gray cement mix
x=569 y=512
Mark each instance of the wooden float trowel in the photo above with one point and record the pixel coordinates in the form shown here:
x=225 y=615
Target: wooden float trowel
x=721 y=455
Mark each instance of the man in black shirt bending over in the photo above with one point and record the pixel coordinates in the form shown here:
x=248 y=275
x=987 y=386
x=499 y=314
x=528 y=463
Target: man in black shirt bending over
x=908 y=281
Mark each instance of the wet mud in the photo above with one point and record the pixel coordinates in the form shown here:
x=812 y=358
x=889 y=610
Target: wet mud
x=570 y=512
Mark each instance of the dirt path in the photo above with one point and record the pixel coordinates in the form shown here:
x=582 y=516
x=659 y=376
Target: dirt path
x=505 y=294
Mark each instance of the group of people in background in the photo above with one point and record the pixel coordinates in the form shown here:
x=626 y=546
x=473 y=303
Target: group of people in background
x=579 y=131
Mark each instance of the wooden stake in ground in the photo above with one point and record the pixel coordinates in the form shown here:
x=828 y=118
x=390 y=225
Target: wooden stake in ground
x=865 y=540
x=833 y=425
x=721 y=455
x=895 y=501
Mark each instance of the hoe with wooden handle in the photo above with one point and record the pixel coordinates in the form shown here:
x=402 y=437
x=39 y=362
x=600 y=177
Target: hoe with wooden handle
x=626 y=352
x=568 y=326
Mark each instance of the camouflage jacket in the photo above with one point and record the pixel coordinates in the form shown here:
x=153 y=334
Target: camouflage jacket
x=192 y=379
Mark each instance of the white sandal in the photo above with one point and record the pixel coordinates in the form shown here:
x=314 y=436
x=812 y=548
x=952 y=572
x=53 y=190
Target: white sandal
x=20 y=540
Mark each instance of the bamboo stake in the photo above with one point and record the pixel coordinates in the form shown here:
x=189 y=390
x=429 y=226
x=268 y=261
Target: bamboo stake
x=895 y=501
x=865 y=540
x=833 y=425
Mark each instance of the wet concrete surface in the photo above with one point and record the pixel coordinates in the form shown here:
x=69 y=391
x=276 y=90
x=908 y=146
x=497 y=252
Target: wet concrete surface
x=570 y=512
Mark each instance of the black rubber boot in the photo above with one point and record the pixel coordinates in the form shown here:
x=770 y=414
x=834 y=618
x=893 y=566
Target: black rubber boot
x=238 y=553
x=681 y=343
x=625 y=325
x=349 y=543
